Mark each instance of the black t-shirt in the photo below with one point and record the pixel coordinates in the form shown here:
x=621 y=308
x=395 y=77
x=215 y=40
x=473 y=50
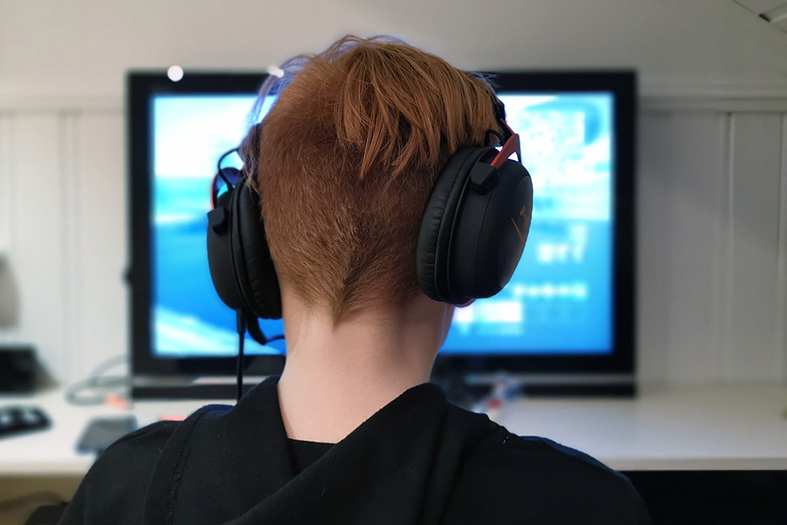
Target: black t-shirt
x=419 y=460
x=304 y=453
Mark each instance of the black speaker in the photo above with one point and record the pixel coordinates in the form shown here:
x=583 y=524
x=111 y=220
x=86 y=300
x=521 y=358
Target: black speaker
x=17 y=370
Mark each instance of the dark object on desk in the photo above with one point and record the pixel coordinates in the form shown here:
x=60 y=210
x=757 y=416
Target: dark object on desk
x=103 y=431
x=753 y=497
x=17 y=370
x=17 y=420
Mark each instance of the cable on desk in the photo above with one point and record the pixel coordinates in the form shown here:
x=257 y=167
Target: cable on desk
x=96 y=387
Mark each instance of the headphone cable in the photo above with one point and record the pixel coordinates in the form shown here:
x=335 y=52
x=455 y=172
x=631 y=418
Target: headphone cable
x=241 y=323
x=248 y=322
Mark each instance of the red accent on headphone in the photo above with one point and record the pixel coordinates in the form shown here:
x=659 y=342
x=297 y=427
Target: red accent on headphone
x=522 y=237
x=510 y=147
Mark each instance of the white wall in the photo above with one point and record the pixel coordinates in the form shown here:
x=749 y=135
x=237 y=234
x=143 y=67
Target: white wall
x=712 y=180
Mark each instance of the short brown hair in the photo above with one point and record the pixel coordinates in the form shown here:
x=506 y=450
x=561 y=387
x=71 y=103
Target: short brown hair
x=348 y=156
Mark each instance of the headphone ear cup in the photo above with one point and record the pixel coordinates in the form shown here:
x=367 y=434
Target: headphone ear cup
x=434 y=235
x=220 y=257
x=254 y=269
x=490 y=234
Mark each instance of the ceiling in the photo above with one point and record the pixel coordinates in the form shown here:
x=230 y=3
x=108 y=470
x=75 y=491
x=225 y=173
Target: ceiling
x=773 y=11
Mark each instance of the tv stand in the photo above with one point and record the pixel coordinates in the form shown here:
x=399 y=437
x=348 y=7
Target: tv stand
x=467 y=388
x=192 y=388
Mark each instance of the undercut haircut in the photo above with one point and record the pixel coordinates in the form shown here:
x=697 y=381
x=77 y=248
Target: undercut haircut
x=347 y=158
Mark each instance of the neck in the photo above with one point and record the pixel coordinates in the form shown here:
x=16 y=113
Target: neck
x=337 y=376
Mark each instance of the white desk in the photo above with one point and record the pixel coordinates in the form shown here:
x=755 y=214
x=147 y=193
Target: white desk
x=687 y=428
x=740 y=427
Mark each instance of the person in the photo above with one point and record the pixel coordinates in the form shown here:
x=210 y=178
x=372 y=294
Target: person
x=353 y=432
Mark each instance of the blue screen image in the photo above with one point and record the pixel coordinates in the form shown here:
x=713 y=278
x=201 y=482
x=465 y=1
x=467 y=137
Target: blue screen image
x=559 y=300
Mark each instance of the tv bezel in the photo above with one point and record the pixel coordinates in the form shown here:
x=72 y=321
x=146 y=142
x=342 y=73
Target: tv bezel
x=143 y=85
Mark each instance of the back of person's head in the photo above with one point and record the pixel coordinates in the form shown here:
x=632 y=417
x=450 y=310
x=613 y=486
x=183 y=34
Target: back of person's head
x=347 y=159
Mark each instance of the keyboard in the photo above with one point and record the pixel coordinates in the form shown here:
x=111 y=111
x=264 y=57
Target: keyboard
x=19 y=419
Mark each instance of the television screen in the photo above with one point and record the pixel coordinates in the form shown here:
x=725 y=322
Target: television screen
x=559 y=300
x=569 y=306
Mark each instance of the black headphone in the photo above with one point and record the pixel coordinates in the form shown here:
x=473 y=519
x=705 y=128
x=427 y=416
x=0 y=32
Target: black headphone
x=472 y=234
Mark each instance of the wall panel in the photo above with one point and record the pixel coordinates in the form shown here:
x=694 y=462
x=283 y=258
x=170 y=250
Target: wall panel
x=69 y=237
x=101 y=241
x=5 y=182
x=653 y=243
x=754 y=182
x=696 y=186
x=682 y=193
x=8 y=291
x=37 y=258
x=781 y=312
